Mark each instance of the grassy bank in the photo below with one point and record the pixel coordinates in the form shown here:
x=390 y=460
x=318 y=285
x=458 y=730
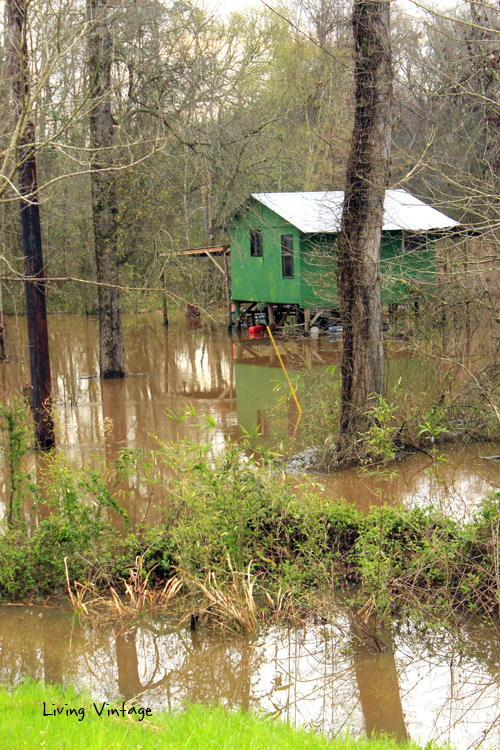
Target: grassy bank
x=232 y=527
x=24 y=725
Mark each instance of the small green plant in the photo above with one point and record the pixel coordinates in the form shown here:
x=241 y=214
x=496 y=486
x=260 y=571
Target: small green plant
x=380 y=437
x=432 y=430
x=180 y=416
x=252 y=434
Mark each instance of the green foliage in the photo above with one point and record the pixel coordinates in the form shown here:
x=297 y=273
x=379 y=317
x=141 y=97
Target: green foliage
x=236 y=512
x=216 y=509
x=318 y=391
x=381 y=435
x=488 y=514
x=434 y=421
x=80 y=498
x=17 y=429
x=403 y=420
x=74 y=522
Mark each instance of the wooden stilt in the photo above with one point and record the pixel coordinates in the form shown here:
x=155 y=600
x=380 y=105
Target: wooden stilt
x=228 y=293
x=165 y=310
x=270 y=315
x=308 y=352
x=283 y=320
x=237 y=316
x=307 y=318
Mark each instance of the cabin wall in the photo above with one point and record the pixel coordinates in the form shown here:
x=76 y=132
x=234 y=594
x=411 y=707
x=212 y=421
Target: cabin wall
x=318 y=270
x=260 y=279
x=402 y=272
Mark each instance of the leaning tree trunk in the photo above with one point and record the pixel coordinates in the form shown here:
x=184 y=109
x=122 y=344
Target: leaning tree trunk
x=359 y=242
x=104 y=201
x=38 y=337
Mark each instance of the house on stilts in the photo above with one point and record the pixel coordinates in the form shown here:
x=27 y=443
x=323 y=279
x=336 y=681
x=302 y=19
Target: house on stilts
x=283 y=251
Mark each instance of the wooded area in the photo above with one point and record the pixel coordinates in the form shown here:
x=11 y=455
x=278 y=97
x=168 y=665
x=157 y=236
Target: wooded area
x=154 y=121
x=261 y=100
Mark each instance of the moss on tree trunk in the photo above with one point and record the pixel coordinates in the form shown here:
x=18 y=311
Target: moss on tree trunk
x=359 y=243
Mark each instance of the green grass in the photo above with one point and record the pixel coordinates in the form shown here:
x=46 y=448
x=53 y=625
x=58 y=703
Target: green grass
x=23 y=725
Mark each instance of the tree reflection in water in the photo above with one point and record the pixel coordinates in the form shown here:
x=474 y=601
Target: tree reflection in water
x=169 y=369
x=439 y=689
x=378 y=686
x=426 y=689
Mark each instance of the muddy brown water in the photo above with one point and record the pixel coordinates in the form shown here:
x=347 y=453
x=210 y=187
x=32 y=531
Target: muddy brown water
x=236 y=383
x=421 y=687
x=424 y=687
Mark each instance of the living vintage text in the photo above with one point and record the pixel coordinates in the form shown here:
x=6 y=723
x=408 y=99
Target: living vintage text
x=100 y=708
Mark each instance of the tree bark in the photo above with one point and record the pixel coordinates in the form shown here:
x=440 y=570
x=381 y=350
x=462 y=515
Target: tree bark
x=38 y=337
x=104 y=200
x=2 y=342
x=359 y=242
x=484 y=55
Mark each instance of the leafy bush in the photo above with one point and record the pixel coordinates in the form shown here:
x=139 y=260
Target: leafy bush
x=235 y=514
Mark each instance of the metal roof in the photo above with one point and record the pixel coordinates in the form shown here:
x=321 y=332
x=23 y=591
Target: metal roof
x=322 y=211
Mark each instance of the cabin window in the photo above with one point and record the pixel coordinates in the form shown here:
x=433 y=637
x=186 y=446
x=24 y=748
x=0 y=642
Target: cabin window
x=414 y=243
x=256 y=246
x=287 y=256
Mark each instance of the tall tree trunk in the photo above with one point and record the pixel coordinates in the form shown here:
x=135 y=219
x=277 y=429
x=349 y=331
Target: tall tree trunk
x=2 y=342
x=104 y=201
x=483 y=44
x=38 y=337
x=359 y=242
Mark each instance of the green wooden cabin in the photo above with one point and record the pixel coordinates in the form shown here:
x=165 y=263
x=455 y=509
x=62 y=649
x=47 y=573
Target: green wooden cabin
x=283 y=247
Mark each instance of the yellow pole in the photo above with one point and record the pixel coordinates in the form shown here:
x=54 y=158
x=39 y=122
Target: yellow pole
x=288 y=379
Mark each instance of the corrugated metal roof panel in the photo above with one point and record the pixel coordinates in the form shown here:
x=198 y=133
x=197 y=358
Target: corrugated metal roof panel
x=322 y=211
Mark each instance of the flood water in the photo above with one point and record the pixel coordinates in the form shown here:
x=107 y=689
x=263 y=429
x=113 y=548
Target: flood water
x=423 y=687
x=237 y=383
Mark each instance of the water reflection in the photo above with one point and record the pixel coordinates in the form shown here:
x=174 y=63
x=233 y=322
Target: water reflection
x=420 y=688
x=378 y=685
x=234 y=381
x=322 y=677
x=454 y=487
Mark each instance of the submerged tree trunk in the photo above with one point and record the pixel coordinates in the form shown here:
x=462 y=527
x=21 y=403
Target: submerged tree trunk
x=38 y=337
x=104 y=201
x=359 y=242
